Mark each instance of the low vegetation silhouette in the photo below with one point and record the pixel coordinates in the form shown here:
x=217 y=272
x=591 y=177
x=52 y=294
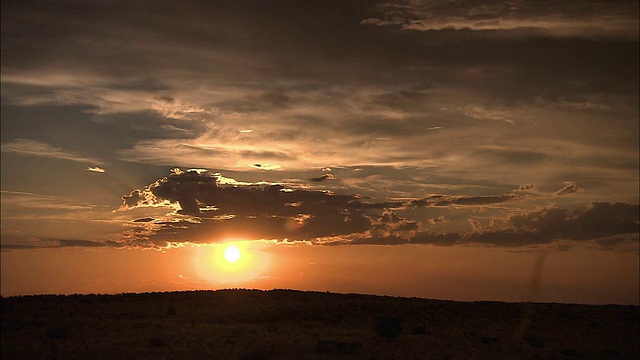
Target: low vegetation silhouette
x=286 y=324
x=389 y=327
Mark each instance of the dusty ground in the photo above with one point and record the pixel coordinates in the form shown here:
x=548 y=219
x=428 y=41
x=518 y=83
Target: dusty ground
x=284 y=324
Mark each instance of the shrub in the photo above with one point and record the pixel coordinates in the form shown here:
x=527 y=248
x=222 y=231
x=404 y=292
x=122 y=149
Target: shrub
x=58 y=333
x=612 y=353
x=488 y=340
x=568 y=352
x=419 y=330
x=337 y=347
x=535 y=342
x=263 y=354
x=389 y=327
x=157 y=342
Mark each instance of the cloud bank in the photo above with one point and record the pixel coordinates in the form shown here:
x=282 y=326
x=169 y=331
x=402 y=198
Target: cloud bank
x=557 y=19
x=207 y=211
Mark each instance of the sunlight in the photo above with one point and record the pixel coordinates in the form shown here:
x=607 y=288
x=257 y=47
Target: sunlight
x=231 y=262
x=232 y=254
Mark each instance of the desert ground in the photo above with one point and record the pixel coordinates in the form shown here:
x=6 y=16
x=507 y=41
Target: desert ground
x=287 y=324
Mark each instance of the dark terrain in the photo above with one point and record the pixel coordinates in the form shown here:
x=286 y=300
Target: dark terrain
x=286 y=324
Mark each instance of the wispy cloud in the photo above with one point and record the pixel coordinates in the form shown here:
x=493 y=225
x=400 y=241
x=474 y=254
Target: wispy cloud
x=32 y=200
x=29 y=147
x=35 y=243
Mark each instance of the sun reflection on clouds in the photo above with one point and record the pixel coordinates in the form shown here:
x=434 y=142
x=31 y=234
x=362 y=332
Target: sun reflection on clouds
x=211 y=265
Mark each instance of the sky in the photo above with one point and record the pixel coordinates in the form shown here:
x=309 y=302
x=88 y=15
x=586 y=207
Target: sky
x=459 y=150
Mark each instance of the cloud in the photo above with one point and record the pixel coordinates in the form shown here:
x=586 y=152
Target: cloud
x=438 y=220
x=263 y=166
x=29 y=147
x=613 y=242
x=95 y=169
x=463 y=200
x=80 y=243
x=568 y=189
x=35 y=243
x=172 y=108
x=39 y=201
x=218 y=146
x=602 y=223
x=323 y=177
x=529 y=188
x=208 y=209
x=313 y=102
x=596 y=221
x=521 y=93
x=559 y=19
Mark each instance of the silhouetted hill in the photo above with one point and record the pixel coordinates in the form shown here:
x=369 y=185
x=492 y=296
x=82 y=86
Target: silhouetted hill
x=286 y=324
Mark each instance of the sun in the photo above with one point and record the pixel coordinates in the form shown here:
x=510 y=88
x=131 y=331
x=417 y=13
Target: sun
x=232 y=262
x=232 y=254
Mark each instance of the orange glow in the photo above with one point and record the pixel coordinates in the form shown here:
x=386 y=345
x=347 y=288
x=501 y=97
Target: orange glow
x=231 y=262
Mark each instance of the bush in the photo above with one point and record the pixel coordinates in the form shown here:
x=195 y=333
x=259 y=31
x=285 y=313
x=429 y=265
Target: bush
x=419 y=330
x=535 y=342
x=157 y=342
x=569 y=352
x=337 y=347
x=58 y=333
x=488 y=340
x=389 y=327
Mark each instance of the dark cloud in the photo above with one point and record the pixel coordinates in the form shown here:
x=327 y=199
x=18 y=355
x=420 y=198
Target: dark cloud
x=559 y=18
x=248 y=41
x=611 y=242
x=57 y=243
x=598 y=220
x=568 y=189
x=323 y=177
x=80 y=243
x=389 y=223
x=461 y=200
x=210 y=210
x=445 y=239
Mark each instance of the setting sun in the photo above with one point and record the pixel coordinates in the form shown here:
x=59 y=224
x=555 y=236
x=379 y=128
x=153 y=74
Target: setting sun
x=232 y=254
x=235 y=261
